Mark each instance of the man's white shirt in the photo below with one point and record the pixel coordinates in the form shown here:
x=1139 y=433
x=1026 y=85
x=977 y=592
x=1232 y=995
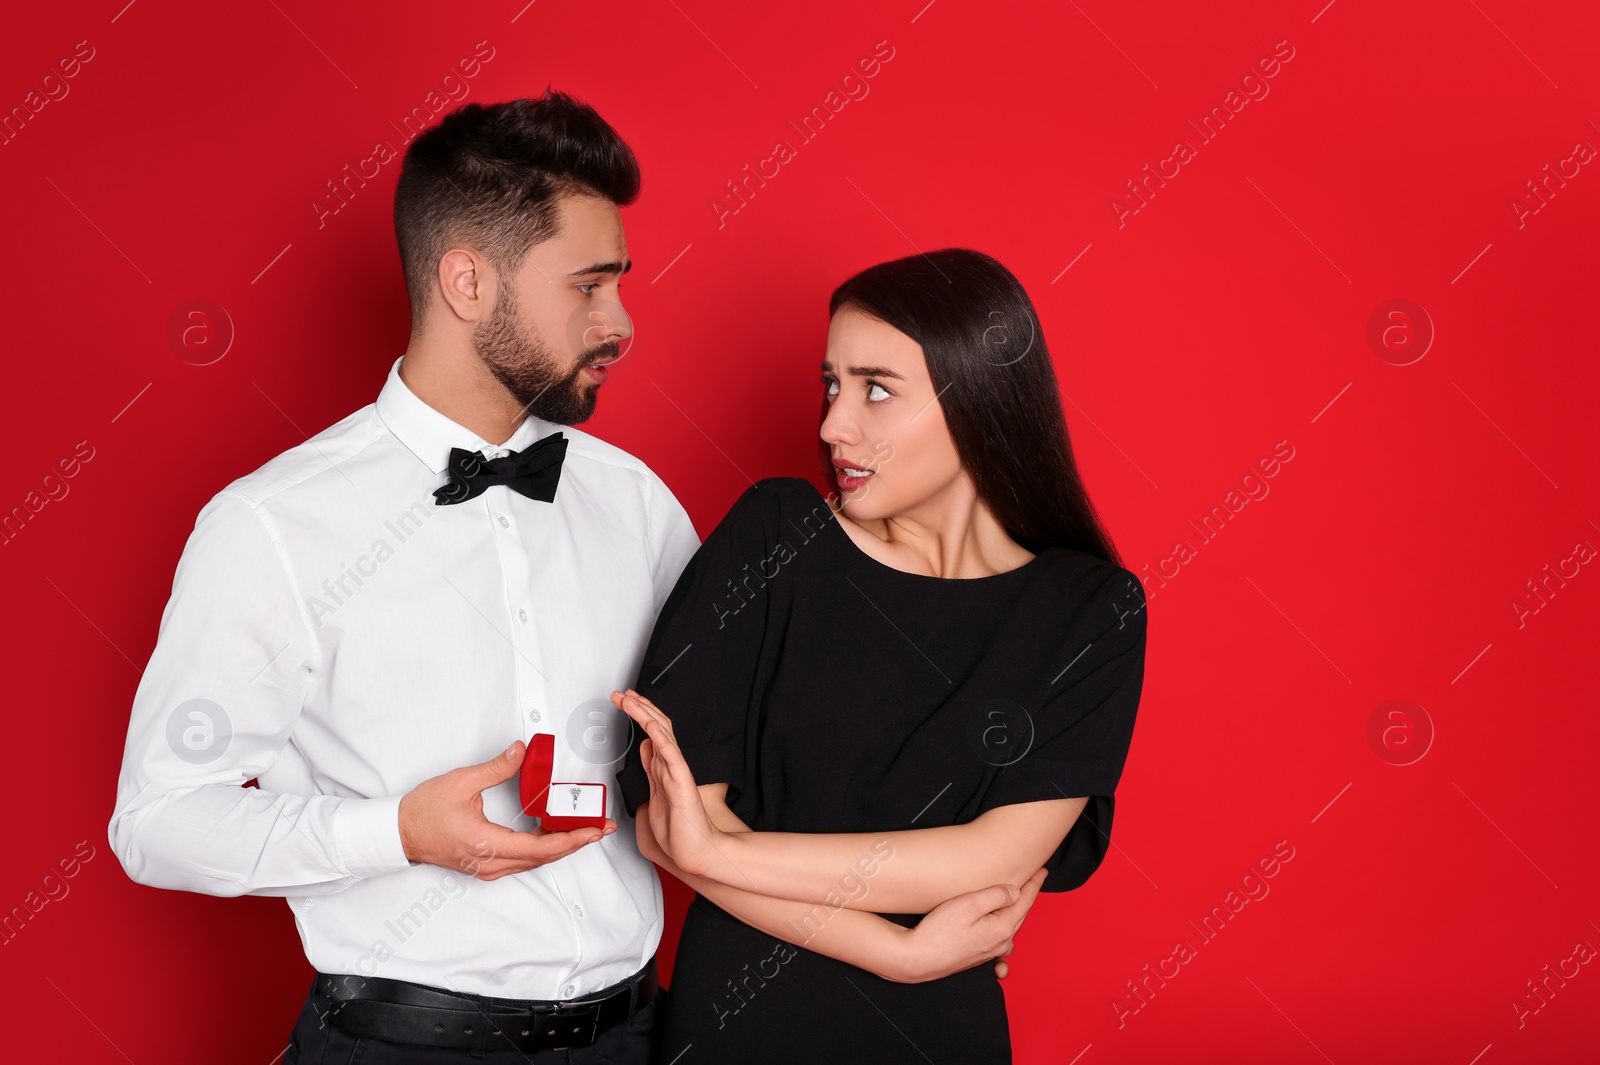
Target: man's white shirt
x=335 y=633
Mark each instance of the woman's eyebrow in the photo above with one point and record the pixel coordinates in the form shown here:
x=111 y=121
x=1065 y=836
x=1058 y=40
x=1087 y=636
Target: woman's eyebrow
x=865 y=371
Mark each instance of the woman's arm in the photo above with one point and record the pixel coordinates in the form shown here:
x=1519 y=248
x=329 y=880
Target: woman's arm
x=964 y=932
x=911 y=871
x=1003 y=846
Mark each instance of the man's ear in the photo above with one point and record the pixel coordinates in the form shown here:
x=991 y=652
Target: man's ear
x=465 y=284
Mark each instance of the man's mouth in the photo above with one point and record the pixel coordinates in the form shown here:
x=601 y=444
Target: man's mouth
x=597 y=370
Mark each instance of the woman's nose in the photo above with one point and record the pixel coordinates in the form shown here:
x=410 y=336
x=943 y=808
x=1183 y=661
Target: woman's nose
x=837 y=427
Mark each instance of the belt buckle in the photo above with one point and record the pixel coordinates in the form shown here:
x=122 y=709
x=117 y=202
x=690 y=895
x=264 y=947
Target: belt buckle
x=568 y=1020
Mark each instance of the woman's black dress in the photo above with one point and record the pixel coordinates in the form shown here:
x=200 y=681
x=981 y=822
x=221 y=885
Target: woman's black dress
x=834 y=693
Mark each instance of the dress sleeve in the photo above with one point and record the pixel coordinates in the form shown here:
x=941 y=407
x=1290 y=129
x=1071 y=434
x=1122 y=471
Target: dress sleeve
x=700 y=664
x=1082 y=733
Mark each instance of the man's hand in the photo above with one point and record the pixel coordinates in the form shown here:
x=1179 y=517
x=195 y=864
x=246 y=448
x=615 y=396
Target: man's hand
x=968 y=930
x=442 y=823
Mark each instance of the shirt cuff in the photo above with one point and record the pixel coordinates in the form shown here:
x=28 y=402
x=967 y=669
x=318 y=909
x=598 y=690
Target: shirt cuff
x=367 y=833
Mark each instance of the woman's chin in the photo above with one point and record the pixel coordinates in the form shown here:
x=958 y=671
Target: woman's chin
x=858 y=508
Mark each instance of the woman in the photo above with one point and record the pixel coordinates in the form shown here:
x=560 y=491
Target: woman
x=877 y=708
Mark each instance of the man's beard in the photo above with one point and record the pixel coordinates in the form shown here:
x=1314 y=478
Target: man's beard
x=531 y=372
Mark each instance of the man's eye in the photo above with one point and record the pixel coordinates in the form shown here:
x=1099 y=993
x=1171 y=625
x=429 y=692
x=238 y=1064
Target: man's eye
x=832 y=386
x=587 y=286
x=871 y=395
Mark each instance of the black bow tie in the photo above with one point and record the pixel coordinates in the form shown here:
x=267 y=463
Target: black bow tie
x=534 y=471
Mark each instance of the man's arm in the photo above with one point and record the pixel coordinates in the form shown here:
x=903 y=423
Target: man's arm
x=669 y=537
x=216 y=706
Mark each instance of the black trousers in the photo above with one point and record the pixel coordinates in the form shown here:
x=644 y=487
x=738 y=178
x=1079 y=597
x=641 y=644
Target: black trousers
x=315 y=1041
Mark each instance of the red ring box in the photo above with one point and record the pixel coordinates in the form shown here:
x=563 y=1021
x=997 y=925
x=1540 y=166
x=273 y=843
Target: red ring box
x=543 y=798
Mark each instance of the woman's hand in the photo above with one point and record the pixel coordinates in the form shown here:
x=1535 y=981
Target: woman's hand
x=646 y=838
x=967 y=930
x=678 y=818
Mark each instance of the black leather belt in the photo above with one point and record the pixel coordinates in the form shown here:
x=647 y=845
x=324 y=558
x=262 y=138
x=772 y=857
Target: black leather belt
x=399 y=1011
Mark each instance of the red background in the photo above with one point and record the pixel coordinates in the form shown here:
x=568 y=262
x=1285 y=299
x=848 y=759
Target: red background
x=1228 y=314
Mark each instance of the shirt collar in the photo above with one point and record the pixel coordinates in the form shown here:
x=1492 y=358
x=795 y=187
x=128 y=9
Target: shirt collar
x=430 y=435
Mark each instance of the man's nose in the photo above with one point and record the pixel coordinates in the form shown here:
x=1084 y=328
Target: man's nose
x=621 y=323
x=594 y=325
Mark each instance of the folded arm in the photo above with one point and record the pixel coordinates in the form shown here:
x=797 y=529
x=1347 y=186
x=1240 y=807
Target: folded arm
x=970 y=930
x=864 y=940
x=924 y=867
x=911 y=871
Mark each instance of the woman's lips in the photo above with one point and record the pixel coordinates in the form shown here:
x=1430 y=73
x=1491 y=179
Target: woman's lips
x=851 y=477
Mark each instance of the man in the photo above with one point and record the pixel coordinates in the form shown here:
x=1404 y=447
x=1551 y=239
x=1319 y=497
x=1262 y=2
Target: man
x=446 y=571
x=359 y=614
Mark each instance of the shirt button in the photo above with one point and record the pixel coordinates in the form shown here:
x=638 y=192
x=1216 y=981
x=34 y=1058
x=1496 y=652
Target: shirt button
x=577 y=909
x=533 y=715
x=522 y=615
x=504 y=524
x=569 y=990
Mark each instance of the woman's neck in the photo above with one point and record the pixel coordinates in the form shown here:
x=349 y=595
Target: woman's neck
x=954 y=534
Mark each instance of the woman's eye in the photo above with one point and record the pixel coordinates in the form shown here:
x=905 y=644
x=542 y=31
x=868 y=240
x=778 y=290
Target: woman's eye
x=831 y=386
x=872 y=392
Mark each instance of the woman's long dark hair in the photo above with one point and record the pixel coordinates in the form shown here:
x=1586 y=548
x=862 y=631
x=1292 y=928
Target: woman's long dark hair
x=993 y=379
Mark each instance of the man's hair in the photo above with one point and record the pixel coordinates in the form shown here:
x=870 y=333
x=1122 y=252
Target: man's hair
x=490 y=177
